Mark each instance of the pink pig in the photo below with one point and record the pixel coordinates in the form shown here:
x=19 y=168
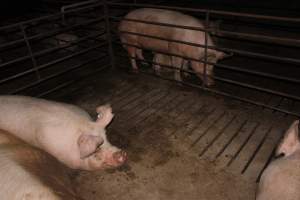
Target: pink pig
x=29 y=173
x=185 y=35
x=64 y=131
x=281 y=179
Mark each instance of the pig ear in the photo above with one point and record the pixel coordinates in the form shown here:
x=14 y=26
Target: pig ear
x=290 y=142
x=105 y=115
x=88 y=144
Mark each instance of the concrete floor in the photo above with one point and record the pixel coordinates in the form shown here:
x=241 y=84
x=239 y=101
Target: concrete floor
x=182 y=143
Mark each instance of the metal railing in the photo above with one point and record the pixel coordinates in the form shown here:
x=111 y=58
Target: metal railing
x=276 y=41
x=41 y=58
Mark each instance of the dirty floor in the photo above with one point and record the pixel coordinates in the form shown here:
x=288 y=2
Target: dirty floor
x=182 y=143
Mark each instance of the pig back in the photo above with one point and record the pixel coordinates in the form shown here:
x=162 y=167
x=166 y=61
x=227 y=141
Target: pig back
x=27 y=172
x=161 y=16
x=281 y=179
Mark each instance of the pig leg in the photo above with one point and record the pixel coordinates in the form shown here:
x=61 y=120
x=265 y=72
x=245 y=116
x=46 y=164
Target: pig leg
x=132 y=54
x=199 y=70
x=139 y=53
x=177 y=63
x=156 y=67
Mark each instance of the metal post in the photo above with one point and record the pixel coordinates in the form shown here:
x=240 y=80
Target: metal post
x=108 y=32
x=34 y=63
x=205 y=47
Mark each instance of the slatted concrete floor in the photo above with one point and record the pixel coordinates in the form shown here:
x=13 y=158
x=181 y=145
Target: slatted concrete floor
x=229 y=136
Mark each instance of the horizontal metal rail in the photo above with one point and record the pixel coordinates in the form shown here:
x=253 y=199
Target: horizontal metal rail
x=273 y=76
x=52 y=76
x=227 y=13
x=52 y=33
x=44 y=66
x=65 y=84
x=222 y=33
x=235 y=51
x=50 y=50
x=245 y=85
x=229 y=95
x=50 y=16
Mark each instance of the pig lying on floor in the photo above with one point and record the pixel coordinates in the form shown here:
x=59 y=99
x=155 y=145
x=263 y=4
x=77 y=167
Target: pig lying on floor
x=62 y=130
x=281 y=179
x=28 y=173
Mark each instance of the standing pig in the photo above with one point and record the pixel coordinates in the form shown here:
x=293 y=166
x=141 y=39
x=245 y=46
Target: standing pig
x=162 y=59
x=29 y=173
x=64 y=131
x=281 y=179
x=185 y=35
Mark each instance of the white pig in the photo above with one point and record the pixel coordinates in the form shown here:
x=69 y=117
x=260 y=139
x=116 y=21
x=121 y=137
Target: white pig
x=185 y=35
x=281 y=179
x=162 y=59
x=64 y=131
x=28 y=173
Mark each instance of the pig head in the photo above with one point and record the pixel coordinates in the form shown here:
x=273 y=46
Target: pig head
x=65 y=131
x=281 y=179
x=94 y=147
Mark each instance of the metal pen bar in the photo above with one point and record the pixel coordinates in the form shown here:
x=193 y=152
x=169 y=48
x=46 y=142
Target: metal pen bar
x=50 y=16
x=235 y=51
x=51 y=63
x=230 y=96
x=228 y=13
x=52 y=33
x=78 y=66
x=50 y=50
x=231 y=82
x=223 y=33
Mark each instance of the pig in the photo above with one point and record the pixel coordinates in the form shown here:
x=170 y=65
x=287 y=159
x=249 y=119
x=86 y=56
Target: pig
x=162 y=59
x=64 y=131
x=185 y=35
x=281 y=179
x=29 y=173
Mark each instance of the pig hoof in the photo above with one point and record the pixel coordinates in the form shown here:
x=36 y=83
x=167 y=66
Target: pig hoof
x=120 y=157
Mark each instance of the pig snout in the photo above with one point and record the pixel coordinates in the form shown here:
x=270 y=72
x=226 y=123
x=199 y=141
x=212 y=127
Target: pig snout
x=119 y=157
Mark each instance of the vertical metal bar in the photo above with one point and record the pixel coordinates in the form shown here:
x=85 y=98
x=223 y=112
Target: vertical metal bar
x=34 y=63
x=205 y=48
x=108 y=33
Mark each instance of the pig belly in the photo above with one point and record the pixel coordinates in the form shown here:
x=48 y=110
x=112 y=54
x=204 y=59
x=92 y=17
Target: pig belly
x=30 y=174
x=281 y=180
